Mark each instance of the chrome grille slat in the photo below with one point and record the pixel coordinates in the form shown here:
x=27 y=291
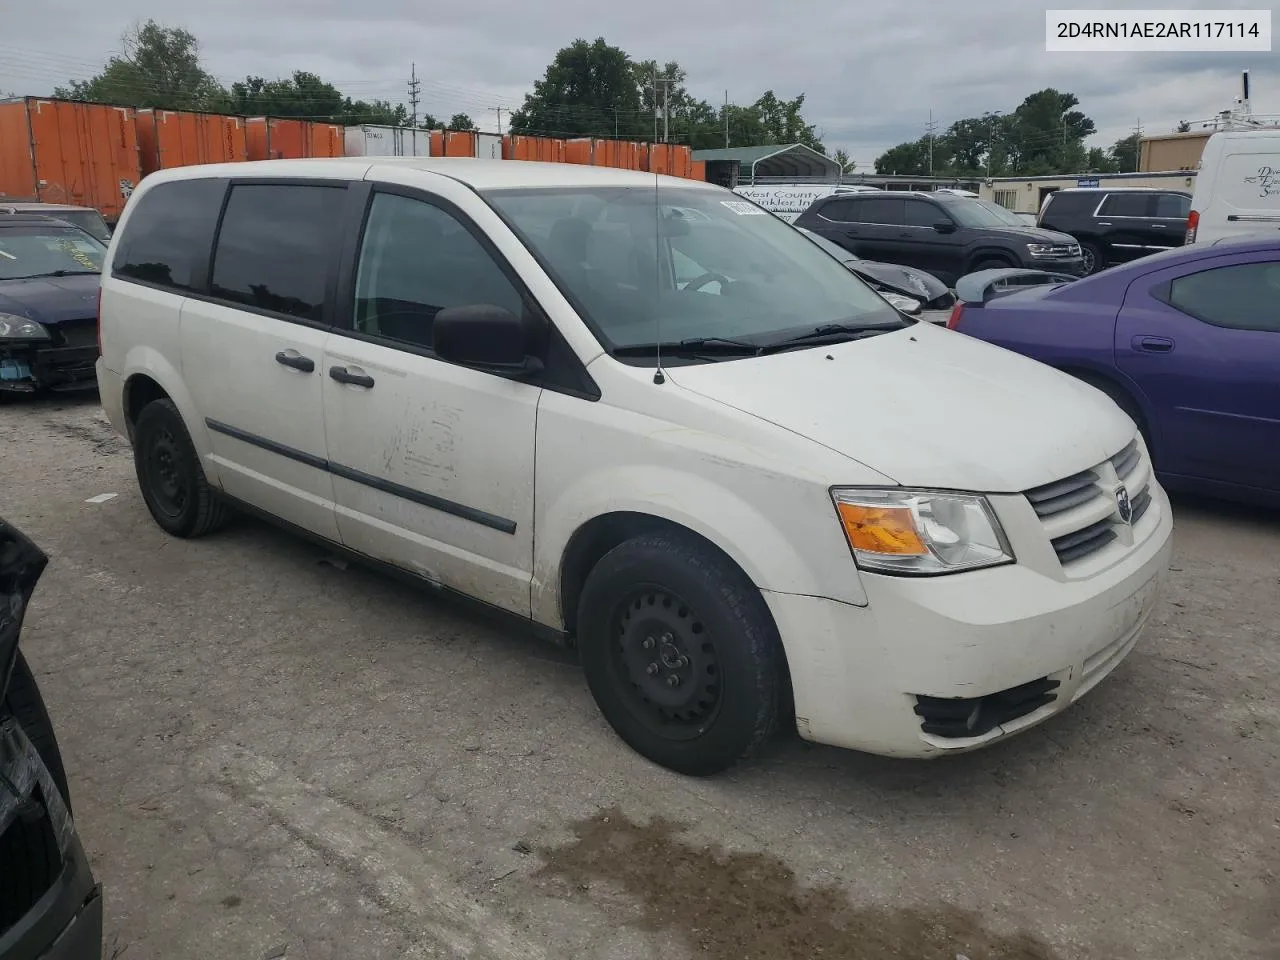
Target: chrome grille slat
x=1126 y=460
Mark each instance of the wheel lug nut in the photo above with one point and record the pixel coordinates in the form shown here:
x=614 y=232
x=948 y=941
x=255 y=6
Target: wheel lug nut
x=648 y=643
x=653 y=669
x=673 y=681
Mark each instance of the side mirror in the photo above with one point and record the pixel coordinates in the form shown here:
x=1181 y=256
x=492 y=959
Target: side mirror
x=944 y=226
x=486 y=337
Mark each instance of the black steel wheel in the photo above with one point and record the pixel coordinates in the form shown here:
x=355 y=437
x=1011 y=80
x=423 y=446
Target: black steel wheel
x=666 y=660
x=1093 y=259
x=681 y=653
x=170 y=477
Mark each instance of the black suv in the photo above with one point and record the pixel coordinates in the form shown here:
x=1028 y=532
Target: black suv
x=1118 y=224
x=941 y=234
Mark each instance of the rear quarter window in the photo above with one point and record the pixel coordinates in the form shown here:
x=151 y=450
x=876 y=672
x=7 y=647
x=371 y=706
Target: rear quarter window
x=167 y=238
x=1071 y=204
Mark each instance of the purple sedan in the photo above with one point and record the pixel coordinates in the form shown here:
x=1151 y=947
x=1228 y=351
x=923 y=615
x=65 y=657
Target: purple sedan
x=1187 y=342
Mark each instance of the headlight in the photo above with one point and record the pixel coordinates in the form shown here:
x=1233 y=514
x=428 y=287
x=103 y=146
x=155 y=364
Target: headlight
x=20 y=328
x=906 y=304
x=920 y=532
x=1056 y=250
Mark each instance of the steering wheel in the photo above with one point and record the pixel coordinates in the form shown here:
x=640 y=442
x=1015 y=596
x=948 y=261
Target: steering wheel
x=697 y=283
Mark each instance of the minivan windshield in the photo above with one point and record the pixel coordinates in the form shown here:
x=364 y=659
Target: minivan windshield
x=645 y=265
x=980 y=213
x=27 y=251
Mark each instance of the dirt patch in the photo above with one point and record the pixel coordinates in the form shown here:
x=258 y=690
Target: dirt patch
x=104 y=440
x=751 y=906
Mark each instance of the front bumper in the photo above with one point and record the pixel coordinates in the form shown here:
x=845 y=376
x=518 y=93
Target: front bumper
x=28 y=368
x=859 y=673
x=1073 y=266
x=65 y=920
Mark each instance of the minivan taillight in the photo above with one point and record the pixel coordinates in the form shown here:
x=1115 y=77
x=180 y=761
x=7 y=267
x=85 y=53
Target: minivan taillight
x=957 y=311
x=99 y=321
x=1193 y=221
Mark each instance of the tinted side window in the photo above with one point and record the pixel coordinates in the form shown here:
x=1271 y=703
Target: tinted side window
x=416 y=260
x=841 y=211
x=1243 y=297
x=922 y=213
x=274 y=247
x=167 y=238
x=1126 y=205
x=1071 y=204
x=1172 y=206
x=880 y=210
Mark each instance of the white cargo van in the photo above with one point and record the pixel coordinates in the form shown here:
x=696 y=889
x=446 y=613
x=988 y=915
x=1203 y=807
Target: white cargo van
x=789 y=200
x=1238 y=187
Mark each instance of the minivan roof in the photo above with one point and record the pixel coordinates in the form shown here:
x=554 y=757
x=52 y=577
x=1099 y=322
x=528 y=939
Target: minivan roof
x=477 y=173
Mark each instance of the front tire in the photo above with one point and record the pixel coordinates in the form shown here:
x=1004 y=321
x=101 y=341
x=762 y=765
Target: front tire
x=1093 y=259
x=681 y=653
x=170 y=476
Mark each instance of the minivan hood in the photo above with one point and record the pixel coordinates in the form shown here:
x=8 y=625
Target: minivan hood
x=51 y=300
x=927 y=407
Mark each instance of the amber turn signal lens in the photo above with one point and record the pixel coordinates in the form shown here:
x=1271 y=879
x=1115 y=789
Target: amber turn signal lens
x=885 y=530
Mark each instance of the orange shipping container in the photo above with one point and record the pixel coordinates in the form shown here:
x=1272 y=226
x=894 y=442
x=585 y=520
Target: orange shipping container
x=282 y=138
x=698 y=170
x=579 y=150
x=544 y=149
x=172 y=138
x=56 y=151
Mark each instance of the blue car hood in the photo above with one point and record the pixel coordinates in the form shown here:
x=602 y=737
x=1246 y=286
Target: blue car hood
x=51 y=300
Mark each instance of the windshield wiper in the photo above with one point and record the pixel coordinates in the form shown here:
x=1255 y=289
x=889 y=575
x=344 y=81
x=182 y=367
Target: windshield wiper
x=691 y=346
x=59 y=273
x=835 y=331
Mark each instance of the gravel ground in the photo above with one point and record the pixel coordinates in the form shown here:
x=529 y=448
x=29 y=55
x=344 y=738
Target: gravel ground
x=272 y=755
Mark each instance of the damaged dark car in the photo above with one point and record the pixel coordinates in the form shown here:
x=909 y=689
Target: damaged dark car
x=49 y=273
x=50 y=903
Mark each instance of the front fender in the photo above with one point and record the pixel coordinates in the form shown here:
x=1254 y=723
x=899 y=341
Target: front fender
x=785 y=540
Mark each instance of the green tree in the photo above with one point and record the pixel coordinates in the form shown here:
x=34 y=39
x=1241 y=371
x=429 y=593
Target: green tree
x=1047 y=133
x=909 y=159
x=589 y=89
x=1098 y=160
x=460 y=121
x=301 y=95
x=842 y=157
x=1124 y=153
x=158 y=66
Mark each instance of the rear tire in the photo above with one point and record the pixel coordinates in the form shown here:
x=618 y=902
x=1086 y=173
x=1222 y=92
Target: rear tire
x=23 y=702
x=681 y=653
x=170 y=476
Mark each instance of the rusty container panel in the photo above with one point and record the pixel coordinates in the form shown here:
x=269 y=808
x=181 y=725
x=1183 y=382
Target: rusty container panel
x=659 y=158
x=286 y=139
x=17 y=162
x=578 y=150
x=459 y=143
x=437 y=143
x=148 y=149
x=698 y=170
x=324 y=140
x=79 y=153
x=183 y=139
x=257 y=138
x=541 y=149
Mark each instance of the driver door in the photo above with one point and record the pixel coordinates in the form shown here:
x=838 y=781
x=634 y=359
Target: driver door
x=432 y=462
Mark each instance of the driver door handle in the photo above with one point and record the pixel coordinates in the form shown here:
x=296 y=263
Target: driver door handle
x=343 y=375
x=1148 y=344
x=294 y=360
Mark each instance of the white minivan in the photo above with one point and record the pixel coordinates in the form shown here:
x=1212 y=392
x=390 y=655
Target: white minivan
x=1238 y=187
x=745 y=502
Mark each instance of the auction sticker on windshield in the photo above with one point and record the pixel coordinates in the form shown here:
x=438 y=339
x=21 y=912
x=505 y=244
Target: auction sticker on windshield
x=742 y=208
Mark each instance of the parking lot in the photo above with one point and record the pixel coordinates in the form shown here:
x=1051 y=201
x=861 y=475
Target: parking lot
x=275 y=754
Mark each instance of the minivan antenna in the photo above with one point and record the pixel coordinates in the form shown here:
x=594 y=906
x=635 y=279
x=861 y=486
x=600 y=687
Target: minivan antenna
x=658 y=376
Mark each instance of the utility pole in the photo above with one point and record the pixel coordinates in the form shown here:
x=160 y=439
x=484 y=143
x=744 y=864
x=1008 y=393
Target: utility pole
x=414 y=86
x=499 y=110
x=929 y=128
x=726 y=119
x=666 y=111
x=655 y=106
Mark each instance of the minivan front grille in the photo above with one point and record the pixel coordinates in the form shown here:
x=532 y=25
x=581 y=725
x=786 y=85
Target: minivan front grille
x=1081 y=513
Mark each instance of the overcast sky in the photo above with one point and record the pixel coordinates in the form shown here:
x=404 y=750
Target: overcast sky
x=871 y=73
